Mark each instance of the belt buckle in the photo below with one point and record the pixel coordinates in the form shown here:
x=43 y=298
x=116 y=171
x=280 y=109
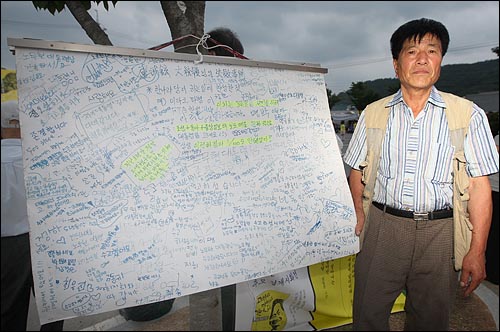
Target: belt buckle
x=420 y=216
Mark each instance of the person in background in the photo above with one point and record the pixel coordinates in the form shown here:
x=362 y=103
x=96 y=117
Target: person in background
x=408 y=239
x=492 y=248
x=224 y=37
x=342 y=129
x=17 y=278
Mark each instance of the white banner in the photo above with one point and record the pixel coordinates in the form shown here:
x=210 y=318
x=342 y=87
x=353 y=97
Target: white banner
x=149 y=179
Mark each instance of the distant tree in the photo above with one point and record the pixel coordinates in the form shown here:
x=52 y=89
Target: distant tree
x=361 y=95
x=393 y=88
x=79 y=10
x=183 y=18
x=9 y=82
x=332 y=98
x=495 y=50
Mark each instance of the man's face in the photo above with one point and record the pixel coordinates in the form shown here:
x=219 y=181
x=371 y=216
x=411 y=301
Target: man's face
x=419 y=63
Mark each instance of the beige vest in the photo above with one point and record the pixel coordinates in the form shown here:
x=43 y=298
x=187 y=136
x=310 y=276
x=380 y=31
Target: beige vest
x=458 y=112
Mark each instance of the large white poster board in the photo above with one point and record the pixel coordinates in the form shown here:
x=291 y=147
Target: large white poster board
x=151 y=176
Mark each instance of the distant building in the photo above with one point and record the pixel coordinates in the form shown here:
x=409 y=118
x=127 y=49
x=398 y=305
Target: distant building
x=342 y=106
x=349 y=116
x=488 y=101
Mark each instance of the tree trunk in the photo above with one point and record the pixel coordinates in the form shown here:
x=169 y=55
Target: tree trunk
x=185 y=18
x=88 y=24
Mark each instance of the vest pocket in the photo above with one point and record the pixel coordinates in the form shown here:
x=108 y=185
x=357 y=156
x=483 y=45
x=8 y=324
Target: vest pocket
x=462 y=226
x=366 y=166
x=461 y=177
x=366 y=171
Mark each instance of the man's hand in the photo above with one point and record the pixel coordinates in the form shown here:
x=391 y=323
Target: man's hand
x=357 y=187
x=473 y=272
x=480 y=208
x=360 y=222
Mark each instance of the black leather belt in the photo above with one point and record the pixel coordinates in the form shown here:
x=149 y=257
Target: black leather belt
x=439 y=214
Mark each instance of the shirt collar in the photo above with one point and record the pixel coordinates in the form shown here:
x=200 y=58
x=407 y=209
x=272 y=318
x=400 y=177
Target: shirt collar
x=434 y=98
x=398 y=98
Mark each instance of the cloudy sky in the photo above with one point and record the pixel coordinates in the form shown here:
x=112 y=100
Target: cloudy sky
x=349 y=38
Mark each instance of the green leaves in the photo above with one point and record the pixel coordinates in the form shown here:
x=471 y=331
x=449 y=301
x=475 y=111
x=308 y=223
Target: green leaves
x=51 y=6
x=58 y=6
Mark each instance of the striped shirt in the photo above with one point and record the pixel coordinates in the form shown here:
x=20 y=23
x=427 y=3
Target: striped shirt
x=415 y=171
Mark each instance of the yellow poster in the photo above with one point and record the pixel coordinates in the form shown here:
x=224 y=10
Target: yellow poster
x=9 y=85
x=269 y=312
x=316 y=297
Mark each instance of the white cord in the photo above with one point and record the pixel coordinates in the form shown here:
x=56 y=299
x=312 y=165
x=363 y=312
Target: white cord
x=202 y=42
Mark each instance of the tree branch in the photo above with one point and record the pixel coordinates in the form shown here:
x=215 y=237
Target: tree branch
x=185 y=18
x=91 y=27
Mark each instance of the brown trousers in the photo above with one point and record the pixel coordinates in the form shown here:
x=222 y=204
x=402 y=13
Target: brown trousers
x=400 y=254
